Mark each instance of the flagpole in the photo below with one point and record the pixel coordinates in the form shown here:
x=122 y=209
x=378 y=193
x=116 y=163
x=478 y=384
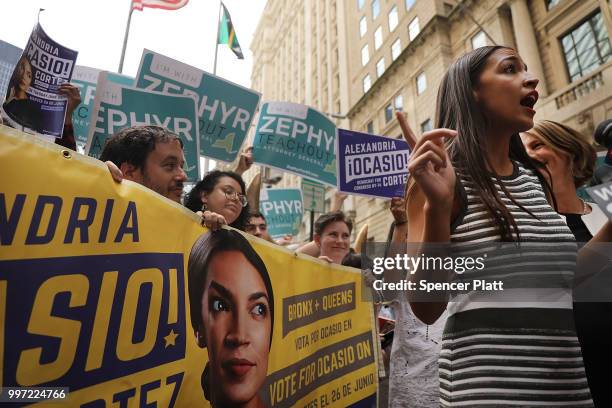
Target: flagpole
x=125 y=38
x=217 y=39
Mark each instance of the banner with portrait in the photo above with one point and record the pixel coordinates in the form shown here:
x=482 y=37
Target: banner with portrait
x=371 y=165
x=283 y=209
x=298 y=139
x=118 y=106
x=33 y=102
x=122 y=296
x=225 y=109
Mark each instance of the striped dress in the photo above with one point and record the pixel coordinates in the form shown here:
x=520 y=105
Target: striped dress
x=515 y=347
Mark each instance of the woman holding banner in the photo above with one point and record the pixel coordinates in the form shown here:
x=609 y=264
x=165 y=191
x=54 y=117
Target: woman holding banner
x=232 y=314
x=483 y=187
x=18 y=107
x=220 y=195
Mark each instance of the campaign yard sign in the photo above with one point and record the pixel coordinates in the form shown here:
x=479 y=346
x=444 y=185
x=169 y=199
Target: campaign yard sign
x=371 y=165
x=298 y=139
x=225 y=109
x=33 y=102
x=86 y=78
x=118 y=106
x=314 y=196
x=283 y=210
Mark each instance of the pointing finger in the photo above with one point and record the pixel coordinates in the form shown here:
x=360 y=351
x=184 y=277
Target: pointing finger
x=406 y=131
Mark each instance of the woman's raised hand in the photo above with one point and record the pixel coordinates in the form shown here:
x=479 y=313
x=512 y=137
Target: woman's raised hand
x=430 y=165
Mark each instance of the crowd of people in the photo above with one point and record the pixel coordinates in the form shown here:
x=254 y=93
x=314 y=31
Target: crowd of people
x=486 y=173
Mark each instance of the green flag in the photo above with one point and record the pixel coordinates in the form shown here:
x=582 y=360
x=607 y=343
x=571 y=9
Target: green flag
x=227 y=35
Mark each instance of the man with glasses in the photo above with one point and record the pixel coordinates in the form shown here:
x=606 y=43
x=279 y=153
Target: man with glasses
x=151 y=156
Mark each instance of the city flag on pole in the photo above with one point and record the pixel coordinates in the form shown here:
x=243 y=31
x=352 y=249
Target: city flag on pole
x=160 y=4
x=227 y=35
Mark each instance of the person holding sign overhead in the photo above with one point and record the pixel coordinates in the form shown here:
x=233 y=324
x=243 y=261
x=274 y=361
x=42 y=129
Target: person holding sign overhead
x=232 y=314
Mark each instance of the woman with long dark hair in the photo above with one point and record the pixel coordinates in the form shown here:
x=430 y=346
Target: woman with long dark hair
x=482 y=187
x=232 y=315
x=221 y=197
x=18 y=106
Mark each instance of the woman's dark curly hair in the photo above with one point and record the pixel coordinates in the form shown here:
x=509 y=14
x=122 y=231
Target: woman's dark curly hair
x=193 y=200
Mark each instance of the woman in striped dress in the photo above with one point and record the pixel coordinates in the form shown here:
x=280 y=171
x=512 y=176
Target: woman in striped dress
x=483 y=188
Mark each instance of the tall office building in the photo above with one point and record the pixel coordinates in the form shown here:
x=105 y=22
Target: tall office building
x=398 y=50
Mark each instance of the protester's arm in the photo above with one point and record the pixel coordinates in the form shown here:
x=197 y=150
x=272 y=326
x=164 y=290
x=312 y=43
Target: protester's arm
x=430 y=207
x=310 y=248
x=337 y=200
x=285 y=240
x=212 y=220
x=245 y=161
x=397 y=243
x=400 y=220
x=115 y=171
x=74 y=98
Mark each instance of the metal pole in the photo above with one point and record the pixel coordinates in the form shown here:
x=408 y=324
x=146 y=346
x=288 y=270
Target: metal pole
x=125 y=38
x=311 y=225
x=217 y=39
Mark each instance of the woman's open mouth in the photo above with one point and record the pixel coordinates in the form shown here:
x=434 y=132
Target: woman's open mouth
x=529 y=100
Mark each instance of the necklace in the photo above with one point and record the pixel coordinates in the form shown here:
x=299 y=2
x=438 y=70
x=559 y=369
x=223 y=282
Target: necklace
x=584 y=207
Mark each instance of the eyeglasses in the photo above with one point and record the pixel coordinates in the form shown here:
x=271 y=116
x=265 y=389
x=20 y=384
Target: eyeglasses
x=234 y=195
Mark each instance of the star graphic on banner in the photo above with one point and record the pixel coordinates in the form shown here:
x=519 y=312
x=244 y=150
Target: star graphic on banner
x=316 y=305
x=170 y=339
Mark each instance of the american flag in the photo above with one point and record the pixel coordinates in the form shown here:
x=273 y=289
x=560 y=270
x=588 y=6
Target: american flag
x=160 y=4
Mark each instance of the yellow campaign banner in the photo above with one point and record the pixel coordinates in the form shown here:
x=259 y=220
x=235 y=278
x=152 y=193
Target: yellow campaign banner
x=121 y=296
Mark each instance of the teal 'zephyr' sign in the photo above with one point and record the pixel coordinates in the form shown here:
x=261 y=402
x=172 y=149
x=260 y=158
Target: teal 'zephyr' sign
x=225 y=110
x=283 y=210
x=117 y=107
x=86 y=79
x=297 y=139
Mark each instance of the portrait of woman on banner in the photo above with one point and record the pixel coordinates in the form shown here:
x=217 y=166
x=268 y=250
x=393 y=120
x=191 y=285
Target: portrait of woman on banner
x=17 y=106
x=232 y=314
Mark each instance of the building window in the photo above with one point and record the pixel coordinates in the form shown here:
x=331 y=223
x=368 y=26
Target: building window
x=396 y=49
x=399 y=103
x=551 y=3
x=370 y=127
x=375 y=8
x=393 y=19
x=413 y=28
x=388 y=113
x=409 y=4
x=378 y=38
x=380 y=67
x=360 y=4
x=365 y=55
x=421 y=83
x=479 y=40
x=367 y=83
x=363 y=26
x=586 y=47
x=426 y=126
